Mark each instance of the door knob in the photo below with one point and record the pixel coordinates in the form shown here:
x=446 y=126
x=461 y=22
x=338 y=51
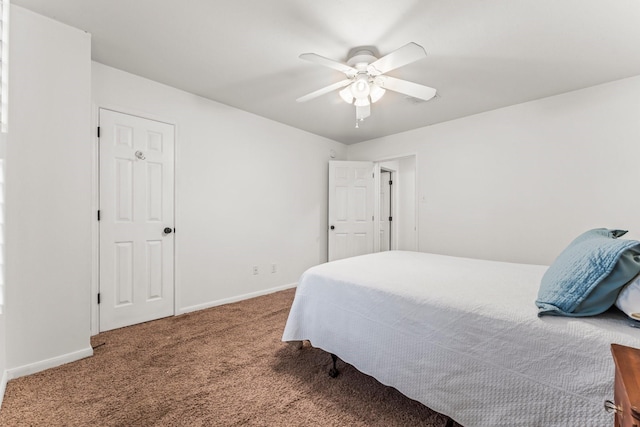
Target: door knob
x=333 y=227
x=167 y=230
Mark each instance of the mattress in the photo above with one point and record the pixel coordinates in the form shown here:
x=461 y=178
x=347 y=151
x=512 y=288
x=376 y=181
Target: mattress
x=462 y=336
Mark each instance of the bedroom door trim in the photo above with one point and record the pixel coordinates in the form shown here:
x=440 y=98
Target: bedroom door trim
x=95 y=203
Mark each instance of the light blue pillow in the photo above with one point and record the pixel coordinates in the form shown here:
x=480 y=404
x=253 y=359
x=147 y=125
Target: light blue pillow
x=587 y=276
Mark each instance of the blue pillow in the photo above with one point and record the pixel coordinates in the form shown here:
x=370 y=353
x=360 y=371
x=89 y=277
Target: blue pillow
x=587 y=276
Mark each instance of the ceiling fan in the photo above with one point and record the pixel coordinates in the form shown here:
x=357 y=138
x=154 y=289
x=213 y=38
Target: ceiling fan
x=366 y=83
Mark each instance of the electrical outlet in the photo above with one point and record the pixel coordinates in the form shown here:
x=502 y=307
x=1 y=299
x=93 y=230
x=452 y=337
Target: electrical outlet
x=255 y=270
x=274 y=268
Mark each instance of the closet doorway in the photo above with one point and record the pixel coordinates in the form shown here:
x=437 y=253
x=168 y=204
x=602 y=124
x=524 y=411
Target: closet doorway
x=386 y=209
x=396 y=223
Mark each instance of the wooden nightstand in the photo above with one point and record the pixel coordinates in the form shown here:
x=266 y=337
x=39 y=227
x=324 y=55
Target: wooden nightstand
x=626 y=402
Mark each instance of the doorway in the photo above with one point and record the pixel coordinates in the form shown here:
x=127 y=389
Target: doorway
x=372 y=207
x=386 y=209
x=402 y=205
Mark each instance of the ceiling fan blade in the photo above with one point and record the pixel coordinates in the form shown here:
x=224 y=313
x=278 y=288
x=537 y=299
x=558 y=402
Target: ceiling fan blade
x=324 y=90
x=405 y=87
x=407 y=54
x=312 y=57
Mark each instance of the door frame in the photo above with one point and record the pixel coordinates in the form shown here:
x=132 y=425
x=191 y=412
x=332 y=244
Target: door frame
x=393 y=241
x=95 y=203
x=394 y=225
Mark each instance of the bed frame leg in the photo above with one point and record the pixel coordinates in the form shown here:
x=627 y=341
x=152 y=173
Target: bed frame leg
x=296 y=344
x=333 y=372
x=449 y=422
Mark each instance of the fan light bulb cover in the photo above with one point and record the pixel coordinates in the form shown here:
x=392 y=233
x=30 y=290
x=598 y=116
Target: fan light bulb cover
x=360 y=87
x=346 y=95
x=376 y=93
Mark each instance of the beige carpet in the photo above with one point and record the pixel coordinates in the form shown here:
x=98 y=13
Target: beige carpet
x=223 y=366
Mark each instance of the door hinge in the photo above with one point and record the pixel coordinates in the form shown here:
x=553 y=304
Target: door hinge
x=98 y=131
x=390 y=218
x=390 y=182
x=98 y=297
x=98 y=215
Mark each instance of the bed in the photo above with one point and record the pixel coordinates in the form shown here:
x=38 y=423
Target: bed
x=462 y=336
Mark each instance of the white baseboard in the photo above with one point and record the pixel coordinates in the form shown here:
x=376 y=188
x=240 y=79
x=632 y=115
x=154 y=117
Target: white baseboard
x=3 y=385
x=32 y=368
x=235 y=299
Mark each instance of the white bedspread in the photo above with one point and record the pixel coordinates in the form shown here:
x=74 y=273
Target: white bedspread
x=462 y=336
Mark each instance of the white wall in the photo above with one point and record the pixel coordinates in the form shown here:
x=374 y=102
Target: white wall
x=518 y=183
x=3 y=361
x=48 y=194
x=250 y=191
x=3 y=336
x=406 y=202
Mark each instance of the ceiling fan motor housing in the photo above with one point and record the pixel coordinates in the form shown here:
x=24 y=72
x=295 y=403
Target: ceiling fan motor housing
x=360 y=57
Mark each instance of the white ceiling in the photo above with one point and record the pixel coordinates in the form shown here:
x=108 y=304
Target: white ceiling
x=482 y=54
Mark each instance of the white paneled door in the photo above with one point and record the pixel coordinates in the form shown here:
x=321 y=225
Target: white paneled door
x=351 y=209
x=136 y=219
